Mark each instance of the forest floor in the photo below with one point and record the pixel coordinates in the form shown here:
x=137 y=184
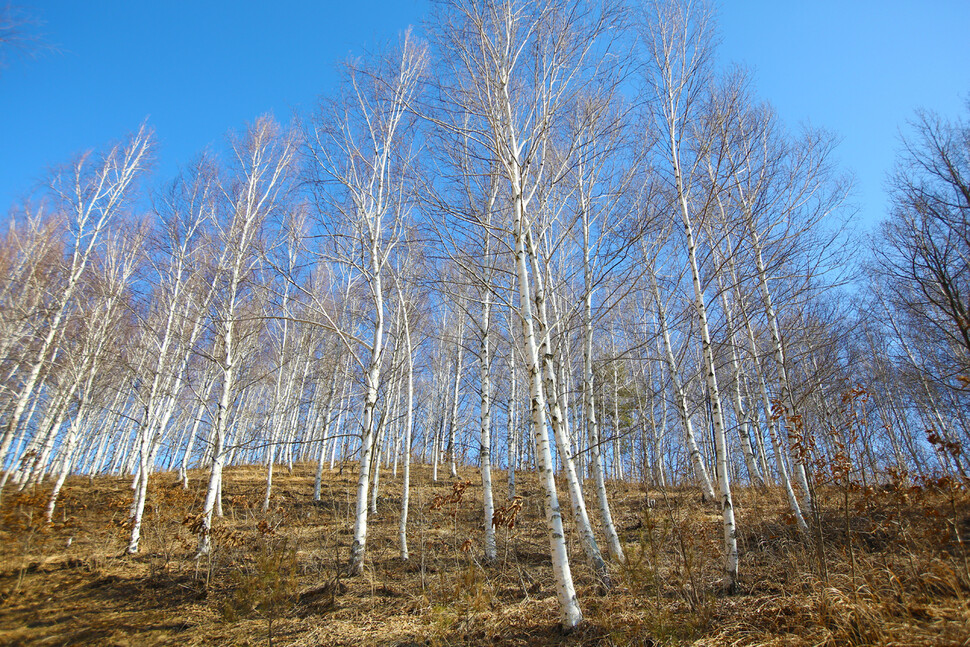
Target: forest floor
x=884 y=567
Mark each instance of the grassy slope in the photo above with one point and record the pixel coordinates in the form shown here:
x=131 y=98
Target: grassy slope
x=904 y=582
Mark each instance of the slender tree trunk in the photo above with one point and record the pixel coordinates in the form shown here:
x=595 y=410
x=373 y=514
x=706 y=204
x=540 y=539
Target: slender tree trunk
x=775 y=440
x=558 y=422
x=331 y=398
x=592 y=426
x=485 y=454
x=511 y=421
x=218 y=442
x=408 y=428
x=727 y=505
x=785 y=393
x=199 y=414
x=358 y=547
x=569 y=604
x=453 y=426
x=739 y=410
x=694 y=452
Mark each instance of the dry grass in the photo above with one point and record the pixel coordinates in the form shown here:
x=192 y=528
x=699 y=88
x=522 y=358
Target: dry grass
x=892 y=570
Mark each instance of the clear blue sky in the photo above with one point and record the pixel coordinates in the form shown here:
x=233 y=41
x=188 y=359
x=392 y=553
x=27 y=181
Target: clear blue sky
x=858 y=68
x=197 y=69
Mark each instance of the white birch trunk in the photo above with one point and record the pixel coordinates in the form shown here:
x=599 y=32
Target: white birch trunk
x=408 y=428
x=359 y=545
x=331 y=399
x=785 y=392
x=776 y=445
x=694 y=452
x=94 y=206
x=193 y=433
x=571 y=614
x=727 y=506
x=453 y=425
x=558 y=422
x=485 y=454
x=592 y=426
x=511 y=420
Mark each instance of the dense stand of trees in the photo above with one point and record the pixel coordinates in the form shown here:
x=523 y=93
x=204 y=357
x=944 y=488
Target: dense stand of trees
x=553 y=236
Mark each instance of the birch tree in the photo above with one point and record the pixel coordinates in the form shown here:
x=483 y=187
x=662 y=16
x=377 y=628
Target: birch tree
x=922 y=248
x=516 y=67
x=93 y=192
x=678 y=41
x=253 y=193
x=361 y=151
x=103 y=309
x=175 y=316
x=406 y=319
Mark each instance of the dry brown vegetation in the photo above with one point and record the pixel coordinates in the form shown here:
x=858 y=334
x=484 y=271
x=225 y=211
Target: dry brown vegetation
x=892 y=569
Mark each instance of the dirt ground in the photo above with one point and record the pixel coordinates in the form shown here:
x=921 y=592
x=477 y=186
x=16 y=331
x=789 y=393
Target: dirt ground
x=884 y=566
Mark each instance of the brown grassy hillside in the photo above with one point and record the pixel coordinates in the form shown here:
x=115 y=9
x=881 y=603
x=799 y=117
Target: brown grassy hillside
x=891 y=569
